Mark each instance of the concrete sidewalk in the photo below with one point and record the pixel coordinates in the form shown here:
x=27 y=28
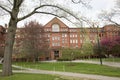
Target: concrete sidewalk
x=79 y=75
x=113 y=64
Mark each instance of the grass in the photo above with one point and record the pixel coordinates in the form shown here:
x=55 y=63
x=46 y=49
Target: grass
x=39 y=77
x=74 y=67
x=112 y=59
x=12 y=68
x=31 y=77
x=106 y=59
x=0 y=66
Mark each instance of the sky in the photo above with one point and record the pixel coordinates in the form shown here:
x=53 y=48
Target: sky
x=92 y=13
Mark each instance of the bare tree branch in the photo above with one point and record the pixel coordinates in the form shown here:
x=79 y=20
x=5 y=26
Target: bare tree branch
x=109 y=19
x=76 y=1
x=82 y=2
x=54 y=6
x=10 y=2
x=56 y=16
x=49 y=14
x=5 y=9
x=20 y=2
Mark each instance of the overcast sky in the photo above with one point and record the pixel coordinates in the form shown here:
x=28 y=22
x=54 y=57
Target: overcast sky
x=97 y=7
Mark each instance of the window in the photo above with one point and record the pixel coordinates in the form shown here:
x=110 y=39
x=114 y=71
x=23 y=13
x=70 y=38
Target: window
x=76 y=41
x=71 y=41
x=64 y=35
x=55 y=44
x=55 y=38
x=73 y=35
x=76 y=35
x=55 y=28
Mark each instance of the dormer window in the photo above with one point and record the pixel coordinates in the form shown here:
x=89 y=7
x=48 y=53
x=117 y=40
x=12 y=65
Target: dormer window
x=55 y=28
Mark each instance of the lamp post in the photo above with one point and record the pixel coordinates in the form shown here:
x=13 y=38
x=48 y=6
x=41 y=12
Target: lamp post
x=98 y=42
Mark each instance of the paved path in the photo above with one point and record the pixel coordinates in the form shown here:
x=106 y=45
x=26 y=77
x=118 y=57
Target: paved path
x=113 y=64
x=89 y=76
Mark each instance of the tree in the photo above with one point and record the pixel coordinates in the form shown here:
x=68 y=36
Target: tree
x=32 y=41
x=116 y=46
x=87 y=46
x=14 y=8
x=111 y=45
x=106 y=45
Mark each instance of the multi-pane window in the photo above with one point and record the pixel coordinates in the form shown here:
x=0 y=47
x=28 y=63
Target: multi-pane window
x=55 y=38
x=76 y=41
x=64 y=40
x=55 y=44
x=70 y=41
x=64 y=35
x=73 y=41
x=55 y=28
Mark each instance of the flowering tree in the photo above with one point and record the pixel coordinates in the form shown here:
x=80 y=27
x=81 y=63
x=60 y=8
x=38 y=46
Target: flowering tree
x=110 y=45
x=116 y=46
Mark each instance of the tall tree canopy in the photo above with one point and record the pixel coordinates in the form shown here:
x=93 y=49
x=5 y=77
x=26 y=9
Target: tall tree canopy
x=31 y=41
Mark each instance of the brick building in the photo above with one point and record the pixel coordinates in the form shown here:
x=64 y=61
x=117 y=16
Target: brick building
x=60 y=36
x=110 y=31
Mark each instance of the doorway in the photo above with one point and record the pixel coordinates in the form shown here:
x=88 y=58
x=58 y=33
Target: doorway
x=56 y=54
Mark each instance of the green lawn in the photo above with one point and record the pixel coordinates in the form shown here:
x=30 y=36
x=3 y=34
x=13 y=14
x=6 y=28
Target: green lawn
x=106 y=59
x=31 y=77
x=39 y=77
x=74 y=67
x=0 y=66
x=12 y=68
x=111 y=59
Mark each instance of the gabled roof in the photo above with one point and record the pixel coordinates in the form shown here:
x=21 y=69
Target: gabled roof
x=56 y=21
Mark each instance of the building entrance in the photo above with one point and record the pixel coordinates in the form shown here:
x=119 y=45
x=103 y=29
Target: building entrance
x=56 y=54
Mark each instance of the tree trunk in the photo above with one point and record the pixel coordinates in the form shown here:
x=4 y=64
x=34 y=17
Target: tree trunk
x=7 y=64
x=10 y=37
